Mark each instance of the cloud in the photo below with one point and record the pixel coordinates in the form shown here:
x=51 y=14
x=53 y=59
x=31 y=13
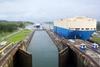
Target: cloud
x=47 y=9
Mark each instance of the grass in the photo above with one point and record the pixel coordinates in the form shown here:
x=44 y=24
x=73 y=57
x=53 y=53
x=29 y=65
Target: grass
x=96 y=39
x=4 y=34
x=18 y=36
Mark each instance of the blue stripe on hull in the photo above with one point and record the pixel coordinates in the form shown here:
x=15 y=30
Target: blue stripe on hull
x=61 y=31
x=72 y=34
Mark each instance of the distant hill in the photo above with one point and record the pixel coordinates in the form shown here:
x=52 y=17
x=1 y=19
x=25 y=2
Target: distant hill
x=49 y=22
x=3 y=21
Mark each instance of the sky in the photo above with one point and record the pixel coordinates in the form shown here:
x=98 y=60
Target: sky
x=47 y=10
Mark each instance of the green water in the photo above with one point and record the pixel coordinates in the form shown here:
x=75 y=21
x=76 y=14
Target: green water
x=44 y=51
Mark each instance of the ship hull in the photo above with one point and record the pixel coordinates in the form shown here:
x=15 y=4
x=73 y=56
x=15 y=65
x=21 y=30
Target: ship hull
x=73 y=34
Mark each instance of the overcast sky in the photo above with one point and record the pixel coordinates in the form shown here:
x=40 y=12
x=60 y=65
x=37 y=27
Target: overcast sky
x=45 y=10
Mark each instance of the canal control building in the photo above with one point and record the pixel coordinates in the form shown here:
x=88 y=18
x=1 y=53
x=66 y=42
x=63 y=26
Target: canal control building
x=75 y=28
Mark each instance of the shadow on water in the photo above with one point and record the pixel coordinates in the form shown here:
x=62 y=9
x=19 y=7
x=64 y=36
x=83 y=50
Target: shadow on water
x=72 y=59
x=68 y=58
x=22 y=59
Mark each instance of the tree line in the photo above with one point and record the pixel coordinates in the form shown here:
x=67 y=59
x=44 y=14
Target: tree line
x=9 y=26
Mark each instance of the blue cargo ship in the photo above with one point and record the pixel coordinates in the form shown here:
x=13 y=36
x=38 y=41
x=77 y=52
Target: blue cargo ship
x=75 y=28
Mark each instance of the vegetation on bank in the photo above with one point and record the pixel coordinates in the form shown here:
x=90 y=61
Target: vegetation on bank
x=96 y=39
x=3 y=35
x=98 y=26
x=8 y=27
x=28 y=23
x=18 y=36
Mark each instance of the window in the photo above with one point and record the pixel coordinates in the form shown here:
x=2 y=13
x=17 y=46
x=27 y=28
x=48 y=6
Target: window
x=82 y=28
x=94 y=28
x=77 y=28
x=87 y=28
x=72 y=28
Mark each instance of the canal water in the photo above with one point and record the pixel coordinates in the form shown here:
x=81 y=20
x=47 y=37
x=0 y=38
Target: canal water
x=44 y=52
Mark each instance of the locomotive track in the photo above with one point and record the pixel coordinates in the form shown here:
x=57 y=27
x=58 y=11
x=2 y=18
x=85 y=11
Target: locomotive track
x=89 y=45
x=94 y=54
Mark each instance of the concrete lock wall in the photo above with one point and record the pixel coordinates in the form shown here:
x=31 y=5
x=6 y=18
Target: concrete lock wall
x=18 y=54
x=63 y=57
x=9 y=63
x=22 y=58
